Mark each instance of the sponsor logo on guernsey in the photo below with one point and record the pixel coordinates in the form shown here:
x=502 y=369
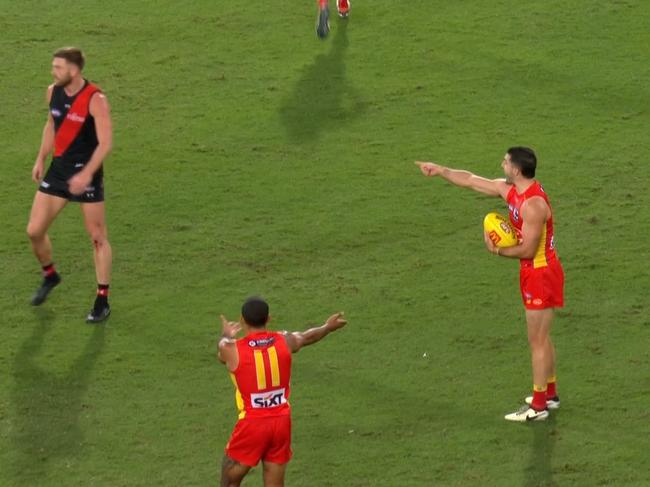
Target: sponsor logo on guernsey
x=79 y=164
x=514 y=211
x=75 y=118
x=537 y=301
x=55 y=113
x=269 y=399
x=261 y=342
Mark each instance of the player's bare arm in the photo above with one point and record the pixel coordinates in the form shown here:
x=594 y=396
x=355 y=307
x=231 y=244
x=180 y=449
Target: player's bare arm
x=534 y=213
x=466 y=179
x=298 y=339
x=47 y=142
x=227 y=350
x=100 y=110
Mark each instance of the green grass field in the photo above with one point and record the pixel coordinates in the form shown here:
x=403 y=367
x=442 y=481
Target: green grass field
x=250 y=157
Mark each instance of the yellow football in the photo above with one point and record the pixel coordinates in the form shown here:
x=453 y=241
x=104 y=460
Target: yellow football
x=500 y=231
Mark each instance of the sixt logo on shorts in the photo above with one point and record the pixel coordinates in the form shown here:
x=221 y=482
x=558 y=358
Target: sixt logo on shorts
x=268 y=399
x=261 y=342
x=55 y=113
x=75 y=118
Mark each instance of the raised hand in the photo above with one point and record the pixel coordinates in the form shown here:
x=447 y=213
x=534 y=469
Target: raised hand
x=336 y=321
x=229 y=328
x=429 y=168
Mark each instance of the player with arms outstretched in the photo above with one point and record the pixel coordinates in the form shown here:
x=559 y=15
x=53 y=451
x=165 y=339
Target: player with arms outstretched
x=260 y=368
x=541 y=274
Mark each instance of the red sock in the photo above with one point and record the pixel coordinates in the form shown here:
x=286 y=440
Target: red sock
x=551 y=390
x=322 y=3
x=49 y=270
x=539 y=398
x=102 y=290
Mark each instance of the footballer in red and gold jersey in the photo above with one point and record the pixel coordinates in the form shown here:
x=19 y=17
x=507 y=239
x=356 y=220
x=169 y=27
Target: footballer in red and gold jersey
x=260 y=368
x=541 y=276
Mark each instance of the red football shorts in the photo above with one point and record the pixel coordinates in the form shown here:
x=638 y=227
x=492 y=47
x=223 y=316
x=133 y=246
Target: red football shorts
x=543 y=287
x=255 y=439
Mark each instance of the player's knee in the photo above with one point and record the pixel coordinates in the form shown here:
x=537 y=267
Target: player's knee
x=34 y=232
x=537 y=342
x=98 y=238
x=98 y=234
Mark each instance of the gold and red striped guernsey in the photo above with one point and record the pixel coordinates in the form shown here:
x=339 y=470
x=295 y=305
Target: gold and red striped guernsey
x=546 y=249
x=262 y=378
x=74 y=120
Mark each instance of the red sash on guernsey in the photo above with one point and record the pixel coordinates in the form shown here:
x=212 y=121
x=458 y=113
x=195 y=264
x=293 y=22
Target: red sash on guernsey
x=74 y=120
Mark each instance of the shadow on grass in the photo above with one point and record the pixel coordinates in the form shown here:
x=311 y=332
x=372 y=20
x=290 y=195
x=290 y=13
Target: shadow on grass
x=539 y=470
x=47 y=405
x=322 y=97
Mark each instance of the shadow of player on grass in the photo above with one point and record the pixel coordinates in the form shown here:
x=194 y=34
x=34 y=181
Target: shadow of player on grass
x=539 y=471
x=47 y=405
x=322 y=97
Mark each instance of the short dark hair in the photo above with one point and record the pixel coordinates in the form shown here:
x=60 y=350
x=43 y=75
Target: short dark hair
x=255 y=311
x=72 y=55
x=524 y=158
